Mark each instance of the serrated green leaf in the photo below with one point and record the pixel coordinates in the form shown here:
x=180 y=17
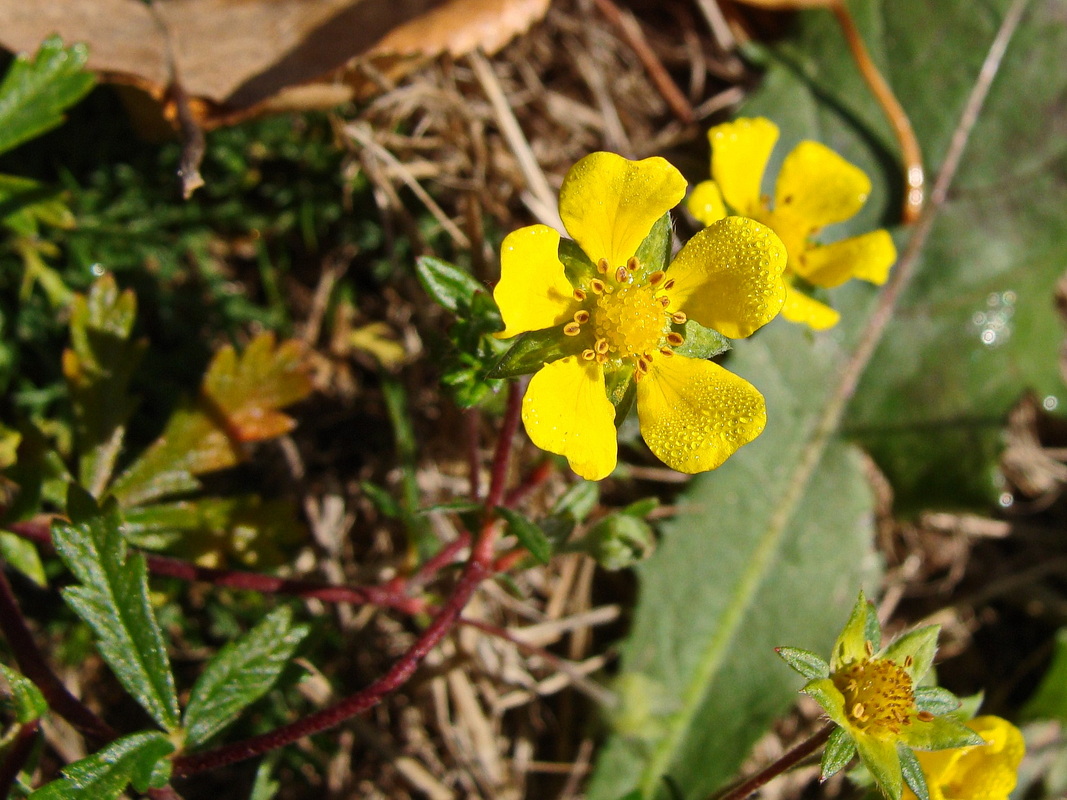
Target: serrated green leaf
x=882 y=760
x=534 y=349
x=913 y=774
x=113 y=599
x=700 y=342
x=29 y=702
x=936 y=700
x=805 y=662
x=529 y=534
x=840 y=749
x=98 y=369
x=446 y=283
x=35 y=92
x=105 y=774
x=239 y=674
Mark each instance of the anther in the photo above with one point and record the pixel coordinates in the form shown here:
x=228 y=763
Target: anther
x=924 y=716
x=602 y=266
x=601 y=346
x=679 y=317
x=581 y=317
x=665 y=301
x=632 y=263
x=868 y=648
x=579 y=295
x=669 y=284
x=621 y=275
x=666 y=351
x=598 y=286
x=859 y=712
x=675 y=339
x=656 y=277
x=908 y=661
x=589 y=354
x=572 y=329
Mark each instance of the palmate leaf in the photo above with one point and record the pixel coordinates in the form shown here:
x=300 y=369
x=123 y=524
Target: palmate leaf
x=139 y=758
x=238 y=403
x=240 y=674
x=112 y=597
x=35 y=92
x=98 y=368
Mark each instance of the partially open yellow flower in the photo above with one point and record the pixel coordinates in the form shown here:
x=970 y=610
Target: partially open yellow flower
x=982 y=772
x=815 y=188
x=623 y=316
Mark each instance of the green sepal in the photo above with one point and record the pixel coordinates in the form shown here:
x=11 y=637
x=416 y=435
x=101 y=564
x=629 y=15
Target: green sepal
x=823 y=692
x=936 y=700
x=805 y=662
x=851 y=644
x=840 y=749
x=534 y=349
x=642 y=508
x=577 y=267
x=921 y=645
x=29 y=702
x=529 y=534
x=882 y=760
x=449 y=285
x=940 y=733
x=913 y=774
x=654 y=252
x=700 y=342
x=621 y=389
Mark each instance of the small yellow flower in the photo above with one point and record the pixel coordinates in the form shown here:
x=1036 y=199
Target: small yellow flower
x=815 y=188
x=621 y=317
x=982 y=772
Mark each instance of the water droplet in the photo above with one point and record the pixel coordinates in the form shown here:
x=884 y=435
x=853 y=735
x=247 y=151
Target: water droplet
x=993 y=324
x=1006 y=500
x=97 y=270
x=1050 y=403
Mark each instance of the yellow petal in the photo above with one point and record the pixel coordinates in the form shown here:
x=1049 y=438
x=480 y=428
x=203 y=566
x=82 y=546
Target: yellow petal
x=867 y=257
x=808 y=311
x=984 y=772
x=739 y=154
x=533 y=292
x=819 y=187
x=609 y=204
x=566 y=410
x=729 y=277
x=705 y=203
x=694 y=414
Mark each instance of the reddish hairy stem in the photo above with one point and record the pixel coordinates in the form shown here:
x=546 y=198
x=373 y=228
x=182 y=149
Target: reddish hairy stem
x=32 y=664
x=537 y=476
x=501 y=457
x=786 y=762
x=253 y=581
x=473 y=421
x=17 y=754
x=354 y=704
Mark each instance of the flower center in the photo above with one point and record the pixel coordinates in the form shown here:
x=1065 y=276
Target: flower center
x=630 y=320
x=878 y=696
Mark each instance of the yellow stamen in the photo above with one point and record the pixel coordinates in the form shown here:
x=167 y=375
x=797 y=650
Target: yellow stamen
x=602 y=266
x=621 y=275
x=656 y=277
x=572 y=329
x=675 y=339
x=679 y=317
x=581 y=317
x=598 y=286
x=579 y=295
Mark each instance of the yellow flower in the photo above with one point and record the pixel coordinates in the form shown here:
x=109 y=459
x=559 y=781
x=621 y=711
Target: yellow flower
x=815 y=188
x=982 y=772
x=621 y=318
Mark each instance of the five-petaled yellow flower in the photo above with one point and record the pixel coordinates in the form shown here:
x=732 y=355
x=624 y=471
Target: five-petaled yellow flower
x=982 y=772
x=623 y=319
x=815 y=188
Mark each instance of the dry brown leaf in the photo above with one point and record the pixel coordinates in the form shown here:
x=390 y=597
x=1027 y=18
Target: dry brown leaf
x=238 y=58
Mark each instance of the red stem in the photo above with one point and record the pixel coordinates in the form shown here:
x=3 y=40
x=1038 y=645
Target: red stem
x=32 y=664
x=501 y=457
x=473 y=421
x=17 y=754
x=786 y=762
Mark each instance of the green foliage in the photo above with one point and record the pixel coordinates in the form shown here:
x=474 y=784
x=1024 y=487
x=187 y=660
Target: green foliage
x=532 y=350
x=529 y=535
x=840 y=749
x=113 y=599
x=28 y=701
x=35 y=93
x=138 y=759
x=1050 y=699
x=239 y=674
